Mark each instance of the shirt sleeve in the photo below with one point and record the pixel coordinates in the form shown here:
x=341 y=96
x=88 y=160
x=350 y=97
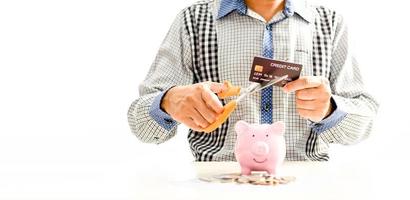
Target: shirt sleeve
x=160 y=116
x=355 y=110
x=332 y=120
x=172 y=66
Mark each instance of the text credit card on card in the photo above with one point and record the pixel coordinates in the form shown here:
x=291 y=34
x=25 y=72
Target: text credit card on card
x=265 y=70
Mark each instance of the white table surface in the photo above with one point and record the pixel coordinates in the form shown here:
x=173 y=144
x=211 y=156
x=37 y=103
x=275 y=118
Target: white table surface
x=314 y=180
x=171 y=177
x=103 y=172
x=377 y=168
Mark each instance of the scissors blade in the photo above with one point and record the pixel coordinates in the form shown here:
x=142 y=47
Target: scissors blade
x=254 y=87
x=274 y=81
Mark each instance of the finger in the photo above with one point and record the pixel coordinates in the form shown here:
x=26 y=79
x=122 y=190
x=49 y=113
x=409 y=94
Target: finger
x=306 y=105
x=302 y=83
x=307 y=94
x=207 y=113
x=191 y=124
x=212 y=100
x=215 y=87
x=198 y=119
x=229 y=90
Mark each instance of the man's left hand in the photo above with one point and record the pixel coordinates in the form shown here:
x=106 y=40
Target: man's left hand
x=312 y=97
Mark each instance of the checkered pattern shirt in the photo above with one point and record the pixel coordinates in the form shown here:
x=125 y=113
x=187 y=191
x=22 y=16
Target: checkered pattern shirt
x=216 y=40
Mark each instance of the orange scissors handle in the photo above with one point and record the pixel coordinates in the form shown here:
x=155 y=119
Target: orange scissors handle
x=228 y=109
x=230 y=90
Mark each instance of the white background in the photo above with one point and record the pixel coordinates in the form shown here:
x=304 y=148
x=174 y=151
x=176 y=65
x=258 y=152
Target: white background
x=70 y=69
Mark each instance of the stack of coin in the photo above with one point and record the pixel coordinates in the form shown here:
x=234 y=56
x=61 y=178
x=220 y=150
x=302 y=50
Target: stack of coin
x=254 y=179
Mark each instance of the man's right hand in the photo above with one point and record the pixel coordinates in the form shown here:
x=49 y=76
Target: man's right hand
x=195 y=105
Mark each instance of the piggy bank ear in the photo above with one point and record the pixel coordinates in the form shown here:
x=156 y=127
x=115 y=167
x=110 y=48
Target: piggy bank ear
x=241 y=127
x=277 y=128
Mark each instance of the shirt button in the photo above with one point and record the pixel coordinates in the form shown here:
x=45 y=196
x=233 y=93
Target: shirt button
x=168 y=121
x=266 y=107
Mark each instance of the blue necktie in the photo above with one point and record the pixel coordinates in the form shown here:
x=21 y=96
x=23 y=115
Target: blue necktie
x=266 y=94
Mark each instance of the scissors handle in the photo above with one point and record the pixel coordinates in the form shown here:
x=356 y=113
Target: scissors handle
x=228 y=109
x=234 y=91
x=230 y=90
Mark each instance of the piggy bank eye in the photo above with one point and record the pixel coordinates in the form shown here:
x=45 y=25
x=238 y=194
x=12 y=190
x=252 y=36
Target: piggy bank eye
x=253 y=135
x=267 y=135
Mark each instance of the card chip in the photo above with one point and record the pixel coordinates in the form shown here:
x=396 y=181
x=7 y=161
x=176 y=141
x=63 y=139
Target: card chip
x=258 y=68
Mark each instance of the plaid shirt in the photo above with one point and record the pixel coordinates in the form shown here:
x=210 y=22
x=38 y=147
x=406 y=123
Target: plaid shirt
x=216 y=40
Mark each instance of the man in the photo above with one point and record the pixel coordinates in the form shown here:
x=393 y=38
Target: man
x=216 y=40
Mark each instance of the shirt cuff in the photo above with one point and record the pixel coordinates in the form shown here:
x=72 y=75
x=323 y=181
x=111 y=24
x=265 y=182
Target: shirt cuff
x=160 y=116
x=330 y=121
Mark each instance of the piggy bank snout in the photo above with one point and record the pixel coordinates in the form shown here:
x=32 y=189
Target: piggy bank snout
x=260 y=148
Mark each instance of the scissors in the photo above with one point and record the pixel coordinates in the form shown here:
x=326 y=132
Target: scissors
x=235 y=91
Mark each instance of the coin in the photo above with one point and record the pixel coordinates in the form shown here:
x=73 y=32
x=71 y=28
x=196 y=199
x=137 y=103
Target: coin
x=261 y=182
x=225 y=178
x=270 y=179
x=242 y=179
x=254 y=179
x=207 y=179
x=286 y=179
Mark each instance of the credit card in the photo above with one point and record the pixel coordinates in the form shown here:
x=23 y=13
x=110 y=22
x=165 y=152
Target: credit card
x=265 y=69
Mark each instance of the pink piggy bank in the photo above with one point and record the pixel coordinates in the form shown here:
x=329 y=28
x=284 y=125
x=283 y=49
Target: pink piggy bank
x=260 y=147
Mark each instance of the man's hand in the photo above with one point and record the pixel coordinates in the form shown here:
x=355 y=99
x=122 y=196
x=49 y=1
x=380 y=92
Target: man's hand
x=312 y=97
x=194 y=105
